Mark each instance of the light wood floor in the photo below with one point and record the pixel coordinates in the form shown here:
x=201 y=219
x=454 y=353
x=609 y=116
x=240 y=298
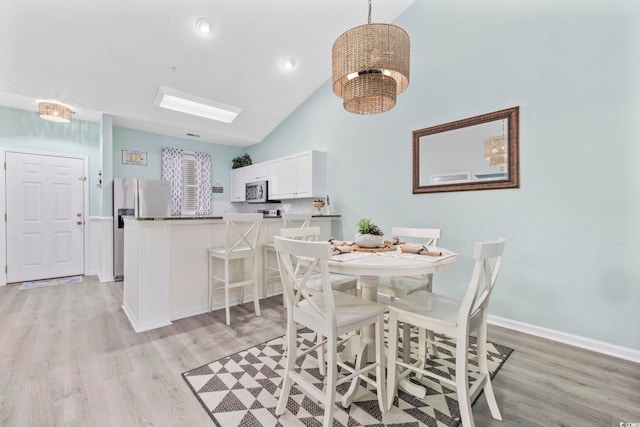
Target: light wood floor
x=68 y=356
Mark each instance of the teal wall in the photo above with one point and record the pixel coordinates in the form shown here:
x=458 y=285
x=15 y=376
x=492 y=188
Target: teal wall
x=152 y=144
x=572 y=228
x=24 y=130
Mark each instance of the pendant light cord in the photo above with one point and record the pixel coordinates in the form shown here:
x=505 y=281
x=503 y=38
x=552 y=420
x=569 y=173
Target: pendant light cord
x=369 y=18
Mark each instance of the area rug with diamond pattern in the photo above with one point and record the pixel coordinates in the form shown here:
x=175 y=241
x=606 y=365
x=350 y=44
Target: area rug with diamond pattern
x=243 y=390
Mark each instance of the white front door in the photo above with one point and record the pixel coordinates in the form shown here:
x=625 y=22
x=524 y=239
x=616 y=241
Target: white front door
x=45 y=216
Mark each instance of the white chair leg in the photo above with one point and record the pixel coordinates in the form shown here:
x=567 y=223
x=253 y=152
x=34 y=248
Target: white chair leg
x=256 y=299
x=322 y=366
x=430 y=335
x=265 y=271
x=331 y=378
x=484 y=371
x=290 y=366
x=226 y=292
x=210 y=283
x=462 y=382
x=380 y=360
x=244 y=275
x=432 y=338
x=422 y=351
x=392 y=356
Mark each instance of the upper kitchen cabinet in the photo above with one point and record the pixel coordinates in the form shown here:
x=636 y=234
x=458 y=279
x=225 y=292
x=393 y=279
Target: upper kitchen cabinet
x=298 y=176
x=238 y=181
x=301 y=175
x=258 y=172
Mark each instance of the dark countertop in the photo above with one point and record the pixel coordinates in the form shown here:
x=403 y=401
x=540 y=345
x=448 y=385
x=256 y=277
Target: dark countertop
x=192 y=217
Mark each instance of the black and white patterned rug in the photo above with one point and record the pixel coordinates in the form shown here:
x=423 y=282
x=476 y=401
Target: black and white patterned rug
x=243 y=390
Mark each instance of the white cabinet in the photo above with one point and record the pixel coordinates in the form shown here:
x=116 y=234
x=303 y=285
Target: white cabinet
x=257 y=172
x=301 y=175
x=238 y=181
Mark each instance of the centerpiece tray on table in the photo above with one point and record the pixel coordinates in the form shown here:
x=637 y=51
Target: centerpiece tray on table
x=422 y=252
x=381 y=248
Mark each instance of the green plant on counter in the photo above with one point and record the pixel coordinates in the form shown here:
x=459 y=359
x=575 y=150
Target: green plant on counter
x=241 y=161
x=318 y=200
x=365 y=226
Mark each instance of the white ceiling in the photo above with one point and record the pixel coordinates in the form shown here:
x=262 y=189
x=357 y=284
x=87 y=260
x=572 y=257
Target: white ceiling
x=110 y=56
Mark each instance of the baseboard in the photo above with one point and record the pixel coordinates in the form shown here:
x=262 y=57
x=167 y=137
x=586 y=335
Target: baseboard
x=569 y=339
x=146 y=326
x=108 y=278
x=189 y=313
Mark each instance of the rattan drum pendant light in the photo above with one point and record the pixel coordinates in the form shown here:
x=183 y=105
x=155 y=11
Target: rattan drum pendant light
x=370 y=67
x=495 y=150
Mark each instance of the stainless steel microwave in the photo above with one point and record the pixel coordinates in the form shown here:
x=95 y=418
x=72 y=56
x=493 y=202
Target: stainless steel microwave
x=256 y=192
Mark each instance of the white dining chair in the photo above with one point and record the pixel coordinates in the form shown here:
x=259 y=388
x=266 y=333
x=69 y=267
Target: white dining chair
x=402 y=286
x=330 y=314
x=339 y=282
x=240 y=244
x=270 y=270
x=456 y=319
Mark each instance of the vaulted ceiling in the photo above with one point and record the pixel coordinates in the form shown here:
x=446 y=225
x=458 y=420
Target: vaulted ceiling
x=111 y=57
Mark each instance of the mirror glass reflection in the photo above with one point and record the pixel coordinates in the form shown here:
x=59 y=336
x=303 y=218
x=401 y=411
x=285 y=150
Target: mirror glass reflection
x=474 y=153
x=471 y=154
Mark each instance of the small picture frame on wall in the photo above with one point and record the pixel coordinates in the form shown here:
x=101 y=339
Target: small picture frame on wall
x=138 y=158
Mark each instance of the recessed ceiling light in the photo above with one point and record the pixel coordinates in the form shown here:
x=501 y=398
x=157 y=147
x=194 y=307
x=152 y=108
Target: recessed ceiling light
x=288 y=63
x=173 y=99
x=203 y=25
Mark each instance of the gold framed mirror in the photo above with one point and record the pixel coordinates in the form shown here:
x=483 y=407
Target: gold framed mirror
x=476 y=153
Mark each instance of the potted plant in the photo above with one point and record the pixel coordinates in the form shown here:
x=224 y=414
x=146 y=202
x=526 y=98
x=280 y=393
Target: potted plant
x=369 y=235
x=241 y=161
x=318 y=204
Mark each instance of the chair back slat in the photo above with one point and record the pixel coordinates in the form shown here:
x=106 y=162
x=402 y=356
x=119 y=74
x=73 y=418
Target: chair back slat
x=294 y=283
x=488 y=260
x=306 y=233
x=431 y=235
x=241 y=231
x=291 y=220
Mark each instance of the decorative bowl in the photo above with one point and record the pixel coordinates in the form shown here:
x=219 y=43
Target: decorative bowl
x=368 y=240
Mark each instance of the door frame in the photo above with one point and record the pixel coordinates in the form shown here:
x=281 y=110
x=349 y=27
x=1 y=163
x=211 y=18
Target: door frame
x=3 y=201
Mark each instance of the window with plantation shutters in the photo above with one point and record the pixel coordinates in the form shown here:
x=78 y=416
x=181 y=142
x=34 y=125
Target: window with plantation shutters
x=189 y=184
x=190 y=177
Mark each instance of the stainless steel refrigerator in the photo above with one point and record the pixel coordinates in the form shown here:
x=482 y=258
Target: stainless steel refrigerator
x=140 y=198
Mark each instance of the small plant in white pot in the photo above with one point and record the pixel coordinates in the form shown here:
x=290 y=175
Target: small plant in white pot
x=369 y=235
x=318 y=204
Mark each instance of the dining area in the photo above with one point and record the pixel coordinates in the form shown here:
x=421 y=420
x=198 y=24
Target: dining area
x=367 y=338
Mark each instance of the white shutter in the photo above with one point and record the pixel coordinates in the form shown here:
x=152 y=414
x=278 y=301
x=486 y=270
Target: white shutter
x=189 y=184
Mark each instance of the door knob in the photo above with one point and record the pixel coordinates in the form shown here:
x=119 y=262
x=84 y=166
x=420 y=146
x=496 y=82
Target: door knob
x=79 y=222
x=79 y=214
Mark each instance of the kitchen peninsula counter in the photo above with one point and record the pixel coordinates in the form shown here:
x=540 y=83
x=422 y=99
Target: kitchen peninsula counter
x=166 y=265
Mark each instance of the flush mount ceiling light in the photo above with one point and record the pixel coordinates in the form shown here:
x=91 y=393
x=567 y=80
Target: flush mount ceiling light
x=173 y=99
x=370 y=66
x=288 y=63
x=203 y=25
x=54 y=112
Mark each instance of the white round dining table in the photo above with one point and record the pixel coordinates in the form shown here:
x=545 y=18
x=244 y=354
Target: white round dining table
x=371 y=268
